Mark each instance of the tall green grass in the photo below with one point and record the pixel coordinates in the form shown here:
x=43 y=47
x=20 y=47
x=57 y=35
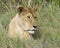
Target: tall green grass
x=48 y=21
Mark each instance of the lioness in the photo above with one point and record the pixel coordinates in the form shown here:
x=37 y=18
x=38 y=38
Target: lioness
x=23 y=24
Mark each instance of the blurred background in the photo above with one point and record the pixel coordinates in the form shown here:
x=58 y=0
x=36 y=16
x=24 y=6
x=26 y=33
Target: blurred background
x=48 y=21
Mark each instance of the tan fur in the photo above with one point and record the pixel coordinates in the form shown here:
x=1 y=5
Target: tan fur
x=21 y=23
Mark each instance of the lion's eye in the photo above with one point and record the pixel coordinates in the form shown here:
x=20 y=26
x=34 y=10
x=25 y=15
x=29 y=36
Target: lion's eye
x=35 y=17
x=28 y=16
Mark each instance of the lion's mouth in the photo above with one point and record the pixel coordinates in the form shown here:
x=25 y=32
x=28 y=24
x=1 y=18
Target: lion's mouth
x=31 y=31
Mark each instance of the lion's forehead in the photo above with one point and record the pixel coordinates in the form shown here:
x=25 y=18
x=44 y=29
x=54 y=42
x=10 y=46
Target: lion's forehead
x=26 y=15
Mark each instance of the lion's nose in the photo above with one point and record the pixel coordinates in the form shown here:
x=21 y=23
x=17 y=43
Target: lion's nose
x=35 y=26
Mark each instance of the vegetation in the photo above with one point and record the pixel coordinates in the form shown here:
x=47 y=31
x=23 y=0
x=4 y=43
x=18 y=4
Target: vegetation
x=48 y=21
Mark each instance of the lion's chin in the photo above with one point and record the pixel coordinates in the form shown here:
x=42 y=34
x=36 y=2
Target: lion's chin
x=31 y=32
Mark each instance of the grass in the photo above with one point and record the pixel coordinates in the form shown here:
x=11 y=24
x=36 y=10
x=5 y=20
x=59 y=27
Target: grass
x=48 y=21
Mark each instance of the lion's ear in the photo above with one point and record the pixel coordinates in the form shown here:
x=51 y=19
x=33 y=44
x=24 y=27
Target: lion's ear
x=35 y=9
x=19 y=9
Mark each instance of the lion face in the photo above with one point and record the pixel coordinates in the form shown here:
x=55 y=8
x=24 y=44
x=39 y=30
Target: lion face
x=27 y=20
